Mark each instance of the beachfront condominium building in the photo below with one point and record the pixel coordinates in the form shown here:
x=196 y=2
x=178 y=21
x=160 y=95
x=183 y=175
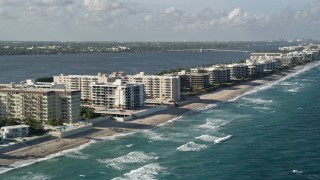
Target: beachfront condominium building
x=270 y=65
x=218 y=74
x=81 y=82
x=266 y=56
x=39 y=104
x=196 y=79
x=159 y=89
x=117 y=95
x=238 y=71
x=255 y=67
x=14 y=131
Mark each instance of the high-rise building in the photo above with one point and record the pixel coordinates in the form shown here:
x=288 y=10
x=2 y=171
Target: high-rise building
x=218 y=74
x=40 y=104
x=158 y=88
x=238 y=71
x=81 y=82
x=117 y=95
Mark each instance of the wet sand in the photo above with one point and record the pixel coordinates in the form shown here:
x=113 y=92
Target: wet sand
x=111 y=127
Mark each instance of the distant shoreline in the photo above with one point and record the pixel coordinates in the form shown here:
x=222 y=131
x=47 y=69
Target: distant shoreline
x=104 y=130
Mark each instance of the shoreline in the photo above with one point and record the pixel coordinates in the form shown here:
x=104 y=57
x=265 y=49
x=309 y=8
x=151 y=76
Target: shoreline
x=112 y=129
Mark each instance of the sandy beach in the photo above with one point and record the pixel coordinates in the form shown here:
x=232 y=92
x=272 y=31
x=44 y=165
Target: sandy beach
x=111 y=128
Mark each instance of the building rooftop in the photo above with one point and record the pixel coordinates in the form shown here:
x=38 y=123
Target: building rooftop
x=15 y=127
x=36 y=90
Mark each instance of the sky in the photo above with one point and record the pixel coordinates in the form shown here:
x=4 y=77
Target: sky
x=158 y=20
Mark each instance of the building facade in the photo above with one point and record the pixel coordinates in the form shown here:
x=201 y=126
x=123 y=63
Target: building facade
x=40 y=104
x=218 y=74
x=238 y=71
x=117 y=95
x=158 y=88
x=266 y=56
x=81 y=82
x=14 y=131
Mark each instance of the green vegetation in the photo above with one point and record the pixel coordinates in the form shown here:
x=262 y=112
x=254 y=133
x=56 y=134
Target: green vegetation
x=44 y=79
x=55 y=47
x=8 y=122
x=88 y=113
x=36 y=127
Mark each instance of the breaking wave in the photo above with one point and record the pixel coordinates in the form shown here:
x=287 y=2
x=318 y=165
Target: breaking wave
x=192 y=146
x=119 y=163
x=149 y=171
x=213 y=139
x=214 y=124
x=271 y=84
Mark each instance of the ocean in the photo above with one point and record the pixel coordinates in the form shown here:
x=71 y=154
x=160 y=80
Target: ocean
x=271 y=132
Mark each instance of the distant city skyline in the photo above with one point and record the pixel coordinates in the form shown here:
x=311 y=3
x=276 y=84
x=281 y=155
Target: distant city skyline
x=165 y=20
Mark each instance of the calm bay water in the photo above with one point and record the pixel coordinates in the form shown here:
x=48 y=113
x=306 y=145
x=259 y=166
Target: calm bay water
x=270 y=133
x=18 y=68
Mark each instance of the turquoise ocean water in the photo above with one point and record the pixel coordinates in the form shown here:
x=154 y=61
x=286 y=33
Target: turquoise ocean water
x=272 y=132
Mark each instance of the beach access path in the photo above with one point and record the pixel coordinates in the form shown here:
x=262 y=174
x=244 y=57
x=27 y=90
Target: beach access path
x=109 y=128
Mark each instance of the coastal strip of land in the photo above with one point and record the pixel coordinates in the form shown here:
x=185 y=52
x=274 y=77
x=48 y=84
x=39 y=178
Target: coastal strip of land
x=110 y=128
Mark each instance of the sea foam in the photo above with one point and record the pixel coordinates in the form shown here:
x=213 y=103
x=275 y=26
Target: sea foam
x=113 y=137
x=271 y=84
x=68 y=152
x=213 y=139
x=170 y=121
x=149 y=171
x=119 y=163
x=258 y=100
x=77 y=155
x=213 y=123
x=192 y=146
x=209 y=106
x=152 y=135
x=28 y=162
x=34 y=176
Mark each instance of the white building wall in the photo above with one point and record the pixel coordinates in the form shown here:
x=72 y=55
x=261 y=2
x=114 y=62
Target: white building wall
x=161 y=88
x=40 y=104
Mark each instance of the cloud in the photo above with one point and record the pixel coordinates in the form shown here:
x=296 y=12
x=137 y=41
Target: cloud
x=144 y=19
x=8 y=2
x=103 y=5
x=177 y=20
x=70 y=12
x=207 y=18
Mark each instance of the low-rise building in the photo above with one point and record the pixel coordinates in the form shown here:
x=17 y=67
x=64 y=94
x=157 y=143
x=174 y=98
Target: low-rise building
x=14 y=131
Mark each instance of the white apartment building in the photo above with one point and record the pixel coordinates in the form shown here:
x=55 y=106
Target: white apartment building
x=238 y=71
x=81 y=82
x=117 y=95
x=30 y=83
x=266 y=56
x=14 y=131
x=158 y=88
x=40 y=104
x=259 y=67
x=290 y=48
